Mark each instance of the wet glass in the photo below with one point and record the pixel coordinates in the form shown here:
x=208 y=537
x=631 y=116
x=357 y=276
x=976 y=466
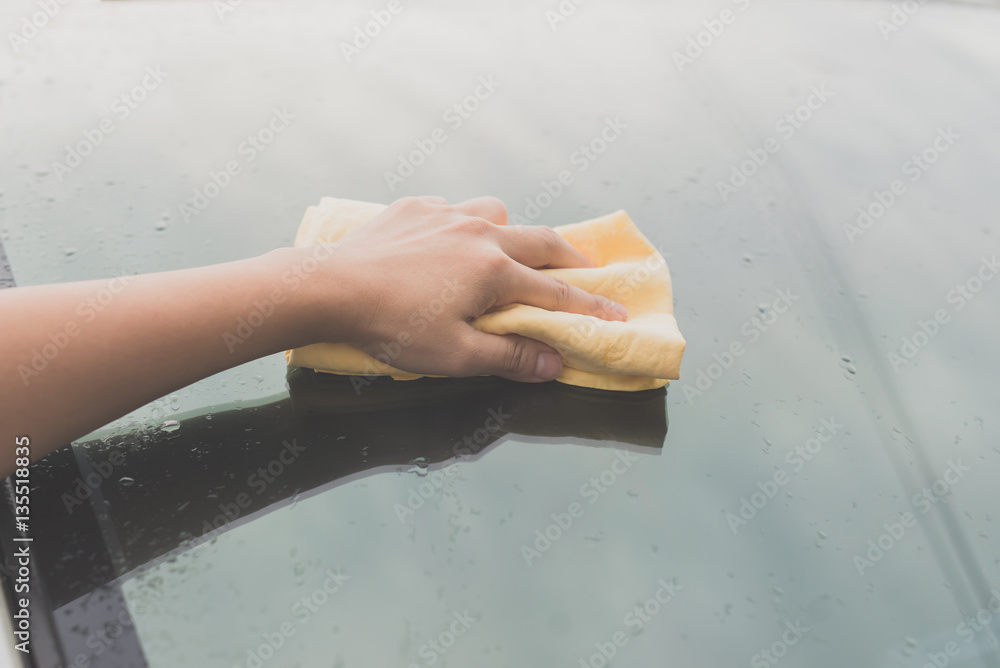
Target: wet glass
x=820 y=178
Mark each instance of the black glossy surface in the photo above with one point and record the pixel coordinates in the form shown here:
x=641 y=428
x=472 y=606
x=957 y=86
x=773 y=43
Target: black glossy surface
x=900 y=428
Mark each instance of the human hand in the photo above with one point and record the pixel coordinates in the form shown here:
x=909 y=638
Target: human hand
x=412 y=279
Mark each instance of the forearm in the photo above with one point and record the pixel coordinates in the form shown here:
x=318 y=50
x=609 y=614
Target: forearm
x=76 y=356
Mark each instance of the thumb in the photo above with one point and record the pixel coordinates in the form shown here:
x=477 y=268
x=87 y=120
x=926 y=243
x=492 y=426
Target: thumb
x=514 y=357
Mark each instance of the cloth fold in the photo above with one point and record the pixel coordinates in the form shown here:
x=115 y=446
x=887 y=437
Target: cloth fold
x=643 y=353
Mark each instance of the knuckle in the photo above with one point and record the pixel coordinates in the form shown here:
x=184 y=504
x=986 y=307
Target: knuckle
x=473 y=226
x=519 y=359
x=562 y=292
x=549 y=237
x=497 y=206
x=496 y=262
x=406 y=204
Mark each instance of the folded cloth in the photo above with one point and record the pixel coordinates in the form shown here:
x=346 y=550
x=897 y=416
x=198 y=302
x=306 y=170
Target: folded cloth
x=643 y=353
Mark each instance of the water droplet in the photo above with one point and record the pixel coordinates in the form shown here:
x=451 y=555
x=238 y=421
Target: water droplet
x=125 y=480
x=821 y=534
x=748 y=258
x=419 y=462
x=170 y=426
x=70 y=252
x=910 y=641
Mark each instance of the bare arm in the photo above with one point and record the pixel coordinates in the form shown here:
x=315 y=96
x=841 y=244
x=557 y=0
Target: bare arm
x=75 y=356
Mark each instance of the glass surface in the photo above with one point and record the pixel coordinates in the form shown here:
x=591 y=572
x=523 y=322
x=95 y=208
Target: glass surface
x=833 y=373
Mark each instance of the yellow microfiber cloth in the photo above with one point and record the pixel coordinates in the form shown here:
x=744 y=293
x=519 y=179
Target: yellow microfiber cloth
x=643 y=353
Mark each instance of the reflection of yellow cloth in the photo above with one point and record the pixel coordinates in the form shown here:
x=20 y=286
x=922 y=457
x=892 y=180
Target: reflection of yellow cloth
x=639 y=354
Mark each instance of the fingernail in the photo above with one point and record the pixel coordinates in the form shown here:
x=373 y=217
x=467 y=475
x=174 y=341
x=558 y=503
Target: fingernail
x=548 y=366
x=620 y=310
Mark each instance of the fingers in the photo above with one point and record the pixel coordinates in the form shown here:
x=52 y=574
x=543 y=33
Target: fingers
x=489 y=208
x=513 y=357
x=540 y=247
x=531 y=287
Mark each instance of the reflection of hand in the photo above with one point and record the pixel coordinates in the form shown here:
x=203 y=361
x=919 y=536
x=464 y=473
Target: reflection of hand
x=419 y=272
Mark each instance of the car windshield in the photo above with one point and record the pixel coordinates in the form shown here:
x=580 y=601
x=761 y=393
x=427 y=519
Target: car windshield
x=816 y=489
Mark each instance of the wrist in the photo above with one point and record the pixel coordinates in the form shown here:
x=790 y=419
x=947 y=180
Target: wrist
x=316 y=289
